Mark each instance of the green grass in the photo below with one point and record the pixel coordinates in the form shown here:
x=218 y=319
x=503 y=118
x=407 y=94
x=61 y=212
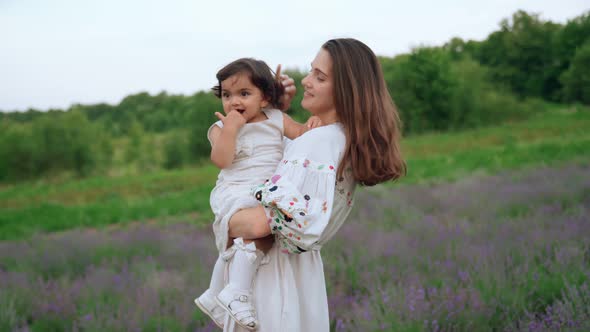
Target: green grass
x=558 y=135
x=493 y=159
x=46 y=206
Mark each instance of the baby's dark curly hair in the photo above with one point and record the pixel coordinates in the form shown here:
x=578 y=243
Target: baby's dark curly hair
x=260 y=75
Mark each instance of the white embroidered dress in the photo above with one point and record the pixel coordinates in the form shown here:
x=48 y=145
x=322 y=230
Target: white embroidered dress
x=290 y=290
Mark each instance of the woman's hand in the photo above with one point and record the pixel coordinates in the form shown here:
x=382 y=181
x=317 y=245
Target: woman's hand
x=289 y=85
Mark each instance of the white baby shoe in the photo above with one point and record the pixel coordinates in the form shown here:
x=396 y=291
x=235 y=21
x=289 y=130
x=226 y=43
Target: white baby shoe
x=237 y=304
x=207 y=303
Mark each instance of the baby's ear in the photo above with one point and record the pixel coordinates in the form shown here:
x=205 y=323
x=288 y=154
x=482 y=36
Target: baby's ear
x=264 y=103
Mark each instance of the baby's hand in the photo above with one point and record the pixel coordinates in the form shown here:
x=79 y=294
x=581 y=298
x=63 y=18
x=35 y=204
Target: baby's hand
x=313 y=122
x=233 y=119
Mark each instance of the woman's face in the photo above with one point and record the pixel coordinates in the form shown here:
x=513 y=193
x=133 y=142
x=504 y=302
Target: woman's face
x=318 y=96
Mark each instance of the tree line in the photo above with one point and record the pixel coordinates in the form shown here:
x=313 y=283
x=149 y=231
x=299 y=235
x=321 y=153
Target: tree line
x=461 y=84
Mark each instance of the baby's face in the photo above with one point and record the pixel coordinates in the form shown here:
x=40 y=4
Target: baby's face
x=240 y=95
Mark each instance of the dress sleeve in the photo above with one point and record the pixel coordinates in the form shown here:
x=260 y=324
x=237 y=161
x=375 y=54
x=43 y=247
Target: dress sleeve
x=298 y=201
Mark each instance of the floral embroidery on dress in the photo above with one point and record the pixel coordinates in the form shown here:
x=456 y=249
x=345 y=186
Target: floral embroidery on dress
x=293 y=205
x=287 y=209
x=306 y=163
x=344 y=188
x=345 y=193
x=282 y=209
x=277 y=222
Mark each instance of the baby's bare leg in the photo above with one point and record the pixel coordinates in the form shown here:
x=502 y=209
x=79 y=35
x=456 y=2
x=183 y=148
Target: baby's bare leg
x=249 y=224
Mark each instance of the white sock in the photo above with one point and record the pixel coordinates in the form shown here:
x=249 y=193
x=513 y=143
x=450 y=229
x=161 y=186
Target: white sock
x=217 y=282
x=243 y=268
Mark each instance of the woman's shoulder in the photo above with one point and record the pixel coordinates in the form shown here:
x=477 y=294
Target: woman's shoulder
x=324 y=143
x=331 y=135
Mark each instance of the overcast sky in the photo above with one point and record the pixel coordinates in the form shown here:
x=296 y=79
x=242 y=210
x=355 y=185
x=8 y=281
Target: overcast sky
x=59 y=52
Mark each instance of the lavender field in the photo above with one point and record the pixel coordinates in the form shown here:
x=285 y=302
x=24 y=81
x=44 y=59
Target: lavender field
x=508 y=252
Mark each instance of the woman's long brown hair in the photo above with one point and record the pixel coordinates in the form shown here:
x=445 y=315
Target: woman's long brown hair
x=367 y=112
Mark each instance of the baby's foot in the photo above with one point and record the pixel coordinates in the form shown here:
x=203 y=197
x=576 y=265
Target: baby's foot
x=237 y=304
x=207 y=303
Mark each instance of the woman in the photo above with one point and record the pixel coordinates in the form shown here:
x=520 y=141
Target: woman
x=312 y=191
